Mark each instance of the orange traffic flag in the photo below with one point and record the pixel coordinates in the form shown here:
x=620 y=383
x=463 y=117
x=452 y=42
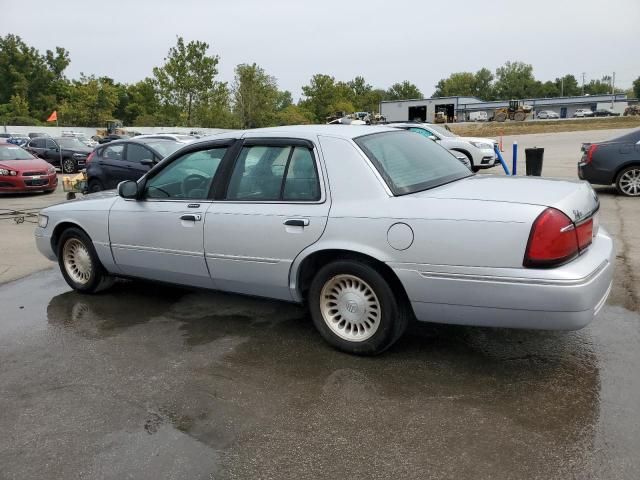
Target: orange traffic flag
x=53 y=117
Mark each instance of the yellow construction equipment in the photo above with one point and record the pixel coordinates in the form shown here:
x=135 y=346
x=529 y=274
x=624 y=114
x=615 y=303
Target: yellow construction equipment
x=517 y=110
x=439 y=117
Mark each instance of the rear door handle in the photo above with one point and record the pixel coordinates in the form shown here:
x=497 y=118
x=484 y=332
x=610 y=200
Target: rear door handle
x=297 y=222
x=191 y=217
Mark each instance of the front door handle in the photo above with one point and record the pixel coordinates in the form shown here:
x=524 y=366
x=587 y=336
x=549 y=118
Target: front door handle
x=191 y=217
x=297 y=222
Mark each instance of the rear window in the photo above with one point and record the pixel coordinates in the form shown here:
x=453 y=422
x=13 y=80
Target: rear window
x=410 y=163
x=164 y=147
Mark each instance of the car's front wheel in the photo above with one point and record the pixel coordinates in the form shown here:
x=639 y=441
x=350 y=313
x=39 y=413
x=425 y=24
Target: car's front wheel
x=79 y=263
x=69 y=165
x=628 y=181
x=95 y=186
x=355 y=309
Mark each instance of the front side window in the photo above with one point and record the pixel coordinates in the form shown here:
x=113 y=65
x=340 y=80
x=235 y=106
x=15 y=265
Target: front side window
x=411 y=163
x=188 y=177
x=274 y=173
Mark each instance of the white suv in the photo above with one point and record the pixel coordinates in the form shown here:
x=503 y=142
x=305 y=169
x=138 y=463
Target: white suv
x=583 y=112
x=480 y=151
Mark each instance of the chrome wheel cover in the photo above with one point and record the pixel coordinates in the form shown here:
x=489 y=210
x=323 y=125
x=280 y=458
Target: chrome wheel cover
x=350 y=308
x=77 y=261
x=630 y=182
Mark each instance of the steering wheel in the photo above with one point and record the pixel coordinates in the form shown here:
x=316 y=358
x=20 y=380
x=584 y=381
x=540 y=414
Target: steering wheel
x=193 y=182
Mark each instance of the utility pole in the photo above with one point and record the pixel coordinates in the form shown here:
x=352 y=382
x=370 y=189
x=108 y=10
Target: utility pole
x=562 y=87
x=583 y=74
x=613 y=89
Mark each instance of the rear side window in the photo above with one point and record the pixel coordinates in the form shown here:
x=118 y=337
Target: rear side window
x=113 y=152
x=274 y=173
x=37 y=143
x=136 y=153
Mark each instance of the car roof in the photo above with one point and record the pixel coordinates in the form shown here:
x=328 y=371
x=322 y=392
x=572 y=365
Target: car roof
x=340 y=131
x=144 y=141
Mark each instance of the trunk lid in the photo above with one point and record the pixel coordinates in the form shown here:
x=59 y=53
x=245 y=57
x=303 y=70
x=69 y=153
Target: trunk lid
x=576 y=199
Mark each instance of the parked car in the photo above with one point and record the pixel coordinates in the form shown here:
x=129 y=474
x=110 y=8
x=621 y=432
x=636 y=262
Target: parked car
x=68 y=153
x=547 y=114
x=369 y=226
x=606 y=112
x=169 y=136
x=19 y=140
x=616 y=161
x=583 y=112
x=121 y=160
x=22 y=172
x=111 y=137
x=89 y=142
x=479 y=151
x=38 y=134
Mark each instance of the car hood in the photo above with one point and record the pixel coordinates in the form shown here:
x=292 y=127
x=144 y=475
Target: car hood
x=575 y=198
x=25 y=165
x=490 y=141
x=85 y=151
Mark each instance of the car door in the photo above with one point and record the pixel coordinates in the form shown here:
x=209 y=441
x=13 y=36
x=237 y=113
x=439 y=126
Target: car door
x=111 y=160
x=51 y=152
x=160 y=235
x=138 y=161
x=275 y=205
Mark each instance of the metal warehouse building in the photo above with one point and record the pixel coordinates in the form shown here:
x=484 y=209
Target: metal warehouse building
x=463 y=108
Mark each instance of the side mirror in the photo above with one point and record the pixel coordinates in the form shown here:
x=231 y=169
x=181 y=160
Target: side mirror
x=147 y=162
x=128 y=189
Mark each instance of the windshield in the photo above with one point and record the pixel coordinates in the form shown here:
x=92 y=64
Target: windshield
x=410 y=163
x=164 y=147
x=443 y=132
x=70 y=142
x=11 y=152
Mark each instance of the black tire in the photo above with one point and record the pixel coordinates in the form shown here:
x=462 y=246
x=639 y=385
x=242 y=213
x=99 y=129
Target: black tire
x=394 y=313
x=95 y=186
x=620 y=188
x=69 y=165
x=98 y=278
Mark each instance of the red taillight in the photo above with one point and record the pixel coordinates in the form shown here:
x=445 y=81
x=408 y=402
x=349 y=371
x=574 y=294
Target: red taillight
x=590 y=152
x=584 y=231
x=90 y=157
x=552 y=241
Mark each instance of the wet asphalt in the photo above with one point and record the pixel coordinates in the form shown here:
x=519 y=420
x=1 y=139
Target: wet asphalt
x=150 y=382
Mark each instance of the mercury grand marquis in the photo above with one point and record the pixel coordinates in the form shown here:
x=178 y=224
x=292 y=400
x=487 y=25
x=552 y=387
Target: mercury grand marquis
x=371 y=227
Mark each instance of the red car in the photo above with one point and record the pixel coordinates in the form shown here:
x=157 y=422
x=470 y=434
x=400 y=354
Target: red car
x=22 y=172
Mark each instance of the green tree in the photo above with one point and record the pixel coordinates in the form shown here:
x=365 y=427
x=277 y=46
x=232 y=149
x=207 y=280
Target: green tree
x=460 y=83
x=403 y=91
x=255 y=96
x=215 y=111
x=284 y=100
x=92 y=101
x=39 y=79
x=636 y=87
x=567 y=86
x=320 y=94
x=294 y=115
x=599 y=87
x=186 y=78
x=484 y=87
x=515 y=80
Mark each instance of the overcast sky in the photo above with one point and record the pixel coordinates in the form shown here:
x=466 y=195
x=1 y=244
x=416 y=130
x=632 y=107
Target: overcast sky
x=384 y=41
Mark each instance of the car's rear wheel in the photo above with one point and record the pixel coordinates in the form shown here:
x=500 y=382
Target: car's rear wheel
x=69 y=165
x=95 y=186
x=79 y=263
x=355 y=309
x=628 y=181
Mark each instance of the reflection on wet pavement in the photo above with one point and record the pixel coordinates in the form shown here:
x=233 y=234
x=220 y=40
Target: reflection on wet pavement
x=154 y=382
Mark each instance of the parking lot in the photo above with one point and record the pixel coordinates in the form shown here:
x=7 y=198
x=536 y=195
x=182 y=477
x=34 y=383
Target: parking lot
x=147 y=380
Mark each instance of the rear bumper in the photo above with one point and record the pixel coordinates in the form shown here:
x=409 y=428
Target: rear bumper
x=564 y=298
x=586 y=171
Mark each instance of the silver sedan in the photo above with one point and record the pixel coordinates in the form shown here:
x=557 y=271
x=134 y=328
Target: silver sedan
x=371 y=227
